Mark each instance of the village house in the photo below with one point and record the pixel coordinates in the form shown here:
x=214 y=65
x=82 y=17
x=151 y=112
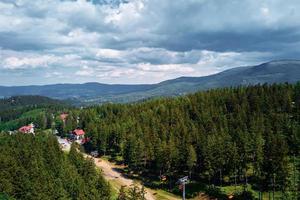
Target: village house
x=78 y=134
x=27 y=129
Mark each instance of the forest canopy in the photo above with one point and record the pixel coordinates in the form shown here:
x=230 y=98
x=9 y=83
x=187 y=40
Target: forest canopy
x=223 y=136
x=34 y=167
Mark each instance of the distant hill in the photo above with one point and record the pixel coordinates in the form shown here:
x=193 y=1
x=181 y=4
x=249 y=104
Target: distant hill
x=89 y=93
x=76 y=91
x=18 y=111
x=16 y=102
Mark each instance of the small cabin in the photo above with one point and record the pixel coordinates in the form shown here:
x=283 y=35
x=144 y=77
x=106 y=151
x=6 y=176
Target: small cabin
x=27 y=129
x=78 y=134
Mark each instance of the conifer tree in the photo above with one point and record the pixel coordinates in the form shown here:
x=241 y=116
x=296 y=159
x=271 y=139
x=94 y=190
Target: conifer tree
x=191 y=159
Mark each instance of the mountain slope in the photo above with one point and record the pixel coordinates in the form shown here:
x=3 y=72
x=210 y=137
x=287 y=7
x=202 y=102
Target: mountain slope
x=272 y=72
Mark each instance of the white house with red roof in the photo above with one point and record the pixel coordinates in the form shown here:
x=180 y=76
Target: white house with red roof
x=78 y=134
x=27 y=129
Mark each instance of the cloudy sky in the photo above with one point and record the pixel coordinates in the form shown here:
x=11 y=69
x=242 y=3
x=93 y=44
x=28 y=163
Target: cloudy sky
x=140 y=41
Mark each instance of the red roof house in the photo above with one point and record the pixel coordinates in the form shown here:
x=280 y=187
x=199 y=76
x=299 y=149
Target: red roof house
x=78 y=133
x=27 y=129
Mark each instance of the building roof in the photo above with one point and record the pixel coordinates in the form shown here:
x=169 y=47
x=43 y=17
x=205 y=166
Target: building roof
x=78 y=132
x=26 y=129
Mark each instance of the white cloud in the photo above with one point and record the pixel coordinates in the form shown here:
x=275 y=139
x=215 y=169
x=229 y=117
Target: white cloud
x=85 y=71
x=126 y=15
x=54 y=74
x=108 y=53
x=29 y=62
x=265 y=11
x=170 y=68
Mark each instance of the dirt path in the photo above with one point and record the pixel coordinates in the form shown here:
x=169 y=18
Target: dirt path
x=111 y=174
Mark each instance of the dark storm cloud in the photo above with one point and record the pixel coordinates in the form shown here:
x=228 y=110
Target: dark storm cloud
x=269 y=40
x=143 y=40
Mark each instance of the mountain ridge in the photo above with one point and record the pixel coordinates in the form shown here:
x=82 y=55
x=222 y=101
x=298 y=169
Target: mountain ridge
x=93 y=92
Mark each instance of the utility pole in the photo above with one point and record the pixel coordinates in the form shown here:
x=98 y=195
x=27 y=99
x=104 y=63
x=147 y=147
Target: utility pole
x=295 y=183
x=183 y=181
x=183 y=192
x=273 y=186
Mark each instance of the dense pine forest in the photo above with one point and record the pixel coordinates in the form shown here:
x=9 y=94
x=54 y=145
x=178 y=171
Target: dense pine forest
x=243 y=135
x=34 y=167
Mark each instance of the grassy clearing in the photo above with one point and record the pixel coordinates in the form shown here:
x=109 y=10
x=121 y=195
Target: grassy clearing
x=159 y=194
x=163 y=195
x=32 y=113
x=16 y=123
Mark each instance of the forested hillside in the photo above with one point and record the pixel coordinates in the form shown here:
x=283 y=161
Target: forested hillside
x=27 y=101
x=223 y=137
x=34 y=167
x=21 y=110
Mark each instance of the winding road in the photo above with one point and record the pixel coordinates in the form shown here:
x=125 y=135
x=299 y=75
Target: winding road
x=111 y=174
